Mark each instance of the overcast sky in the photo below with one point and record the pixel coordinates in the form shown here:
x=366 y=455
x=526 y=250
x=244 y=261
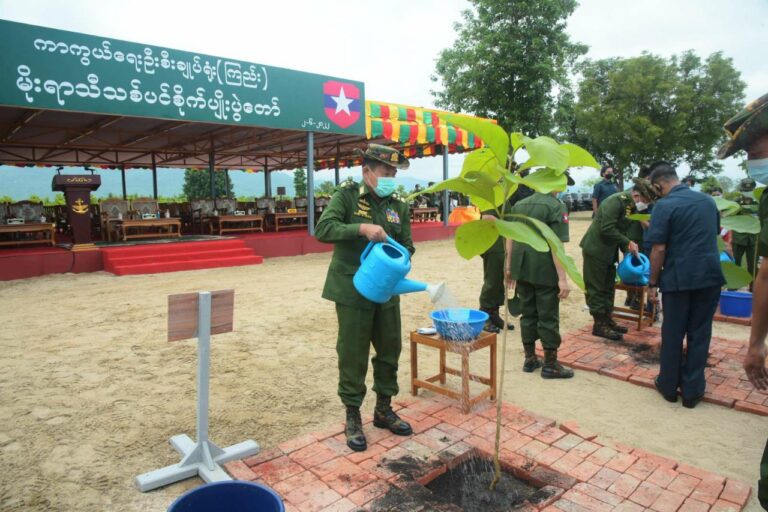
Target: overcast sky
x=392 y=46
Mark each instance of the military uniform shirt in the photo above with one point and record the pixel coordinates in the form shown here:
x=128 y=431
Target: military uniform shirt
x=608 y=231
x=688 y=223
x=354 y=204
x=762 y=246
x=528 y=264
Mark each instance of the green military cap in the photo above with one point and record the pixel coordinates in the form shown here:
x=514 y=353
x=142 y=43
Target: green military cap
x=645 y=188
x=745 y=127
x=384 y=154
x=747 y=185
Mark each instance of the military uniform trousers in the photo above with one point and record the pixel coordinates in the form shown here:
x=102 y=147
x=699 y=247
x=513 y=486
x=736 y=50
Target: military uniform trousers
x=492 y=293
x=748 y=248
x=687 y=314
x=540 y=314
x=358 y=329
x=599 y=281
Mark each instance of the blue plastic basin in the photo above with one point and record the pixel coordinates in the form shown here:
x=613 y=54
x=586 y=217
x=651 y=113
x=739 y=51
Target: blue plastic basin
x=736 y=304
x=459 y=324
x=232 y=496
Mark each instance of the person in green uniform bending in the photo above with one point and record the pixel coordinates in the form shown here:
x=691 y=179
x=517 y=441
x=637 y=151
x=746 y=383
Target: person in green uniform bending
x=357 y=214
x=748 y=130
x=745 y=244
x=540 y=283
x=600 y=246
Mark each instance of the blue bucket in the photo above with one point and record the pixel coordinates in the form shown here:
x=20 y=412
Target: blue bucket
x=459 y=324
x=230 y=496
x=736 y=304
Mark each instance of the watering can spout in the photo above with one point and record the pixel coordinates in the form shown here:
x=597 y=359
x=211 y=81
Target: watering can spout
x=409 y=286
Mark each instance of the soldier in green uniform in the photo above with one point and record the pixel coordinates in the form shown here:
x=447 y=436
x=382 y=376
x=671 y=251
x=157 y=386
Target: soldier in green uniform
x=745 y=244
x=357 y=214
x=540 y=283
x=748 y=130
x=600 y=245
x=492 y=293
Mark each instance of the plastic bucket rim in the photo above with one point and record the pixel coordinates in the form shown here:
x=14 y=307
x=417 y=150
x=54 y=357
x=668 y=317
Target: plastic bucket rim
x=229 y=483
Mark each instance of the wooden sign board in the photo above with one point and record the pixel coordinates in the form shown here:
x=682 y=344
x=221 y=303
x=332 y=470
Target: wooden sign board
x=183 y=309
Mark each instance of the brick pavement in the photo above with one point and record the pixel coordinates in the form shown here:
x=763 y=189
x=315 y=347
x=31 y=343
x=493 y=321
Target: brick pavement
x=575 y=470
x=636 y=361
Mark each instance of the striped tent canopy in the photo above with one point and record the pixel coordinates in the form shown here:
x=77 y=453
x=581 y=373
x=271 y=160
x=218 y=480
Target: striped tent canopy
x=416 y=131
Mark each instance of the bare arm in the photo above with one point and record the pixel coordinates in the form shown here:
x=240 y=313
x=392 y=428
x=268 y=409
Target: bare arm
x=562 y=279
x=657 y=260
x=594 y=205
x=754 y=362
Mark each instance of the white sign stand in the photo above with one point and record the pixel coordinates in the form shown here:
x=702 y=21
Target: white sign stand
x=203 y=457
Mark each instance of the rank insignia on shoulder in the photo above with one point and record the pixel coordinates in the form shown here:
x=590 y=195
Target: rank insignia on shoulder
x=392 y=216
x=565 y=218
x=348 y=184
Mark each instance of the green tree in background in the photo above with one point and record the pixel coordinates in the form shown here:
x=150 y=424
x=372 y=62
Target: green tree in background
x=507 y=59
x=632 y=112
x=197 y=184
x=300 y=182
x=326 y=188
x=723 y=182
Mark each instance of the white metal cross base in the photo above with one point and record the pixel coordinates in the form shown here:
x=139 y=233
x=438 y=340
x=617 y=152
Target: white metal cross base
x=202 y=458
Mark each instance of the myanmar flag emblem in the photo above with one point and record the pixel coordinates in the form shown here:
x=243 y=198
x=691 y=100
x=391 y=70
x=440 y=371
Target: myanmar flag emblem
x=342 y=103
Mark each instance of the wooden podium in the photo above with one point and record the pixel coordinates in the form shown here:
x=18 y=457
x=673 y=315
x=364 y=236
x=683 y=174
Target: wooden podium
x=77 y=191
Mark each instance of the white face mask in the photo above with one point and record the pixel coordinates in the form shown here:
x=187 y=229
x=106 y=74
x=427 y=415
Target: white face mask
x=641 y=206
x=758 y=170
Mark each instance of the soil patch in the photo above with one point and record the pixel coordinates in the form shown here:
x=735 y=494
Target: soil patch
x=467 y=485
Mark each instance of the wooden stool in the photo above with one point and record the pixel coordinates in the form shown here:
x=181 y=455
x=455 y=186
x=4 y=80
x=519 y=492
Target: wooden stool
x=643 y=317
x=486 y=339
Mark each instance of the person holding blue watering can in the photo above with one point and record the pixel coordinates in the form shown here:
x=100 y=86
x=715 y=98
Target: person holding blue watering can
x=748 y=130
x=357 y=214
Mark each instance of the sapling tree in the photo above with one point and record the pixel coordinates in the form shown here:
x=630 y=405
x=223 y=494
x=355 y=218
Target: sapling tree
x=489 y=177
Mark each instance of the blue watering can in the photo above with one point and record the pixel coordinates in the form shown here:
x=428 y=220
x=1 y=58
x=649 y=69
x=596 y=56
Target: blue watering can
x=383 y=267
x=635 y=269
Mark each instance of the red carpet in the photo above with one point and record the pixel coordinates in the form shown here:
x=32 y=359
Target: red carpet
x=172 y=257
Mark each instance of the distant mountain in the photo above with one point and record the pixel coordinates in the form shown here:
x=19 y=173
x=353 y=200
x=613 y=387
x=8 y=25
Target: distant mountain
x=22 y=182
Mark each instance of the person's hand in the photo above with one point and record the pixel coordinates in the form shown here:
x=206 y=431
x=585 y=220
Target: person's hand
x=653 y=294
x=373 y=232
x=754 y=365
x=645 y=224
x=565 y=289
x=511 y=283
x=632 y=248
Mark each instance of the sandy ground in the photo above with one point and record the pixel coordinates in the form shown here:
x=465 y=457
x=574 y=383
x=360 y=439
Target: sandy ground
x=90 y=391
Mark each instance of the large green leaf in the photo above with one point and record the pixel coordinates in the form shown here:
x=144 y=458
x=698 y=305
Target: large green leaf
x=545 y=181
x=741 y=224
x=726 y=207
x=475 y=237
x=521 y=232
x=483 y=161
x=546 y=152
x=640 y=216
x=579 y=157
x=517 y=139
x=557 y=248
x=758 y=193
x=492 y=134
x=735 y=276
x=489 y=197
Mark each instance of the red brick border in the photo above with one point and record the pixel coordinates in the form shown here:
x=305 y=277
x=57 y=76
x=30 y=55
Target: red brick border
x=727 y=384
x=317 y=472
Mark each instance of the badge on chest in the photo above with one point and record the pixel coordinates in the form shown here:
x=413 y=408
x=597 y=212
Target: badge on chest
x=392 y=216
x=363 y=209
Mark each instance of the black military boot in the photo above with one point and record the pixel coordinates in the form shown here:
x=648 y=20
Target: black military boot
x=618 y=327
x=495 y=320
x=603 y=329
x=552 y=369
x=385 y=417
x=354 y=430
x=531 y=362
